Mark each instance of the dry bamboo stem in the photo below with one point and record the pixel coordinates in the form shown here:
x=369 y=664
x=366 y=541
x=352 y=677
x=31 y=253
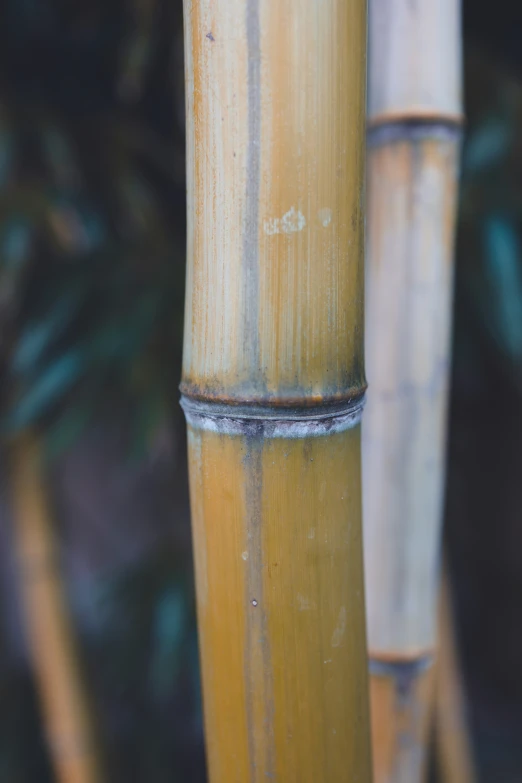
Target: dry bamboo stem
x=414 y=119
x=273 y=381
x=452 y=741
x=51 y=640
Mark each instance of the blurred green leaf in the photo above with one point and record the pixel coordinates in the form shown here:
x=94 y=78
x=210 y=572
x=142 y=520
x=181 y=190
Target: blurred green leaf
x=38 y=335
x=504 y=275
x=7 y=155
x=15 y=242
x=487 y=145
x=46 y=389
x=169 y=631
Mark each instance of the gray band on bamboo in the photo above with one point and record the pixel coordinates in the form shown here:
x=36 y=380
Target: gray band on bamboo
x=272 y=422
x=413 y=130
x=401 y=670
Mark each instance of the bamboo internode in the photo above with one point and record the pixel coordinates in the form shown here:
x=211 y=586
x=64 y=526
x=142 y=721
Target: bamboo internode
x=413 y=140
x=272 y=383
x=415 y=61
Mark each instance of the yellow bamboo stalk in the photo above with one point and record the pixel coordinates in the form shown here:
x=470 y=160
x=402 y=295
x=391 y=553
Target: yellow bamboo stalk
x=452 y=742
x=273 y=382
x=414 y=119
x=51 y=639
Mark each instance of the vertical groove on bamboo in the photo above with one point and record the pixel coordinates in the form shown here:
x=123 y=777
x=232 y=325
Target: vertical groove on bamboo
x=63 y=698
x=454 y=752
x=273 y=381
x=413 y=146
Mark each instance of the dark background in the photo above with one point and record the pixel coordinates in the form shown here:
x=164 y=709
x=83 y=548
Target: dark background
x=92 y=235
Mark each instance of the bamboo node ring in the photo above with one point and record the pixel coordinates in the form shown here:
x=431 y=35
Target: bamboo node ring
x=271 y=422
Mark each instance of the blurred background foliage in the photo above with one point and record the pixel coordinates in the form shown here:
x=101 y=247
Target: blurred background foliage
x=91 y=211
x=484 y=465
x=92 y=244
x=92 y=256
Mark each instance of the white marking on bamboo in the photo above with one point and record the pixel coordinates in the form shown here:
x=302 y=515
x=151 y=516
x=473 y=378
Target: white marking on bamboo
x=340 y=628
x=291 y=222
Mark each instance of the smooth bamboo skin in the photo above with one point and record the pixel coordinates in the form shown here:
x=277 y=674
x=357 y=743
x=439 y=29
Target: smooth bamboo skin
x=274 y=337
x=415 y=53
x=63 y=696
x=412 y=193
x=414 y=112
x=452 y=741
x=278 y=551
x=275 y=165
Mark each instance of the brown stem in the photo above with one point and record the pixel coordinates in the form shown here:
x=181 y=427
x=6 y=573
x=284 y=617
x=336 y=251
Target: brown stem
x=52 y=645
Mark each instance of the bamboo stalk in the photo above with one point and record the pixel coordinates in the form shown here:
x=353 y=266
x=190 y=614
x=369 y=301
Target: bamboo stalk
x=414 y=132
x=273 y=382
x=63 y=697
x=452 y=741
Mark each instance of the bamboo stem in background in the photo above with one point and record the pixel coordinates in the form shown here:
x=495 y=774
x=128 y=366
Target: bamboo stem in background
x=413 y=144
x=273 y=382
x=452 y=741
x=52 y=646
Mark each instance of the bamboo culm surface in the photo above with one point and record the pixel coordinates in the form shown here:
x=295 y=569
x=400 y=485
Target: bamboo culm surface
x=273 y=383
x=73 y=749
x=414 y=118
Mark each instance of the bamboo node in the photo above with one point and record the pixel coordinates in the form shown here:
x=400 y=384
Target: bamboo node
x=260 y=420
x=413 y=129
x=401 y=670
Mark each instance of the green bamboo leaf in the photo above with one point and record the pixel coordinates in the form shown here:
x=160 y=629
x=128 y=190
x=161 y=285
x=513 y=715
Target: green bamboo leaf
x=15 y=242
x=504 y=275
x=170 y=630
x=487 y=146
x=46 y=390
x=38 y=335
x=7 y=156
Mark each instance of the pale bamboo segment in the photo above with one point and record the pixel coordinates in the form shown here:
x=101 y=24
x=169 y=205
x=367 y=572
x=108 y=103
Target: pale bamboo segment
x=63 y=696
x=415 y=53
x=272 y=380
x=277 y=542
x=411 y=218
x=414 y=112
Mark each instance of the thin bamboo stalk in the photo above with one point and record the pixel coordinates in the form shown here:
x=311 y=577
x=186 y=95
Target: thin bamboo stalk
x=452 y=741
x=273 y=381
x=67 y=722
x=413 y=138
